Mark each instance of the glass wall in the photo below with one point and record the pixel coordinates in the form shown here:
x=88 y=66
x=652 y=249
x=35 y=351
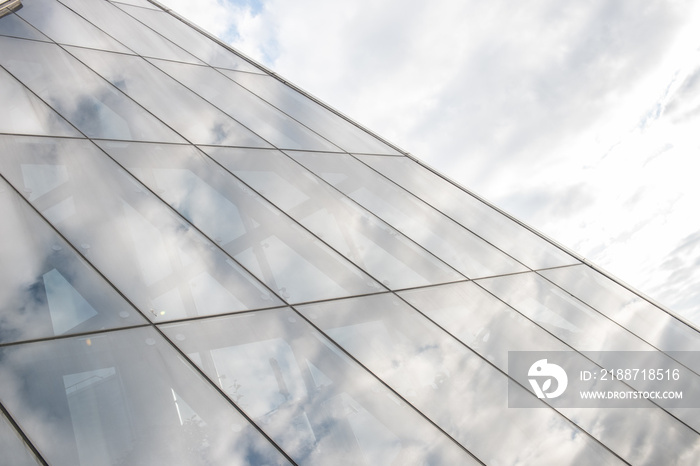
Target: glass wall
x=202 y=264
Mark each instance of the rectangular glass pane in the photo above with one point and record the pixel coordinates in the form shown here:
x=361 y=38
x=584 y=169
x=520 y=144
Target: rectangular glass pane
x=492 y=329
x=312 y=400
x=326 y=123
x=65 y=27
x=502 y=232
x=128 y=31
x=155 y=258
x=480 y=321
x=445 y=238
x=25 y=113
x=188 y=114
x=46 y=289
x=141 y=3
x=564 y=316
x=93 y=105
x=14 y=451
x=627 y=309
x=191 y=40
x=283 y=255
x=581 y=327
x=450 y=384
x=268 y=122
x=124 y=397
x=13 y=25
x=373 y=245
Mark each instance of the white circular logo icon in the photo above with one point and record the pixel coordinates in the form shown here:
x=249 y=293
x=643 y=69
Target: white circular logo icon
x=542 y=370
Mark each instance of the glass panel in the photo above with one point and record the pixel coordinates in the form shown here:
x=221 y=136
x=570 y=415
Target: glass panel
x=326 y=123
x=65 y=27
x=24 y=113
x=12 y=25
x=85 y=99
x=271 y=124
x=269 y=244
x=437 y=375
x=499 y=230
x=13 y=448
x=627 y=309
x=124 y=397
x=189 y=114
x=128 y=31
x=142 y=3
x=164 y=266
x=577 y=325
x=482 y=322
x=438 y=234
x=191 y=40
x=559 y=313
x=491 y=328
x=46 y=289
x=360 y=236
x=312 y=400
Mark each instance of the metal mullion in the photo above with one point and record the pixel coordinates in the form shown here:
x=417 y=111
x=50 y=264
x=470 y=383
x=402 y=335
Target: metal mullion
x=13 y=425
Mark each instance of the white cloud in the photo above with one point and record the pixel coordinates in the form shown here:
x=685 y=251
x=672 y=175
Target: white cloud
x=575 y=117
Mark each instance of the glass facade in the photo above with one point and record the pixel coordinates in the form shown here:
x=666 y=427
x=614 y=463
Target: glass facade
x=202 y=264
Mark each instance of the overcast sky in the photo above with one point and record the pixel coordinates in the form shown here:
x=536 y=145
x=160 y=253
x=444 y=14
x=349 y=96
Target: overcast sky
x=575 y=117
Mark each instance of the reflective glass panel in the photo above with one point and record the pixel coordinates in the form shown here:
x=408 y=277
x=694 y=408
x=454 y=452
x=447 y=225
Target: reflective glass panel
x=191 y=40
x=273 y=247
x=481 y=321
x=13 y=25
x=142 y=3
x=25 y=113
x=326 y=123
x=13 y=448
x=271 y=124
x=370 y=243
x=164 y=266
x=579 y=326
x=311 y=399
x=627 y=309
x=46 y=289
x=124 y=397
x=564 y=316
x=492 y=328
x=65 y=27
x=128 y=31
x=445 y=238
x=79 y=95
x=188 y=114
x=499 y=230
x=453 y=386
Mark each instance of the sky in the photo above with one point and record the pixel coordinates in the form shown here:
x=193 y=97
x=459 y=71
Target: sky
x=575 y=117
